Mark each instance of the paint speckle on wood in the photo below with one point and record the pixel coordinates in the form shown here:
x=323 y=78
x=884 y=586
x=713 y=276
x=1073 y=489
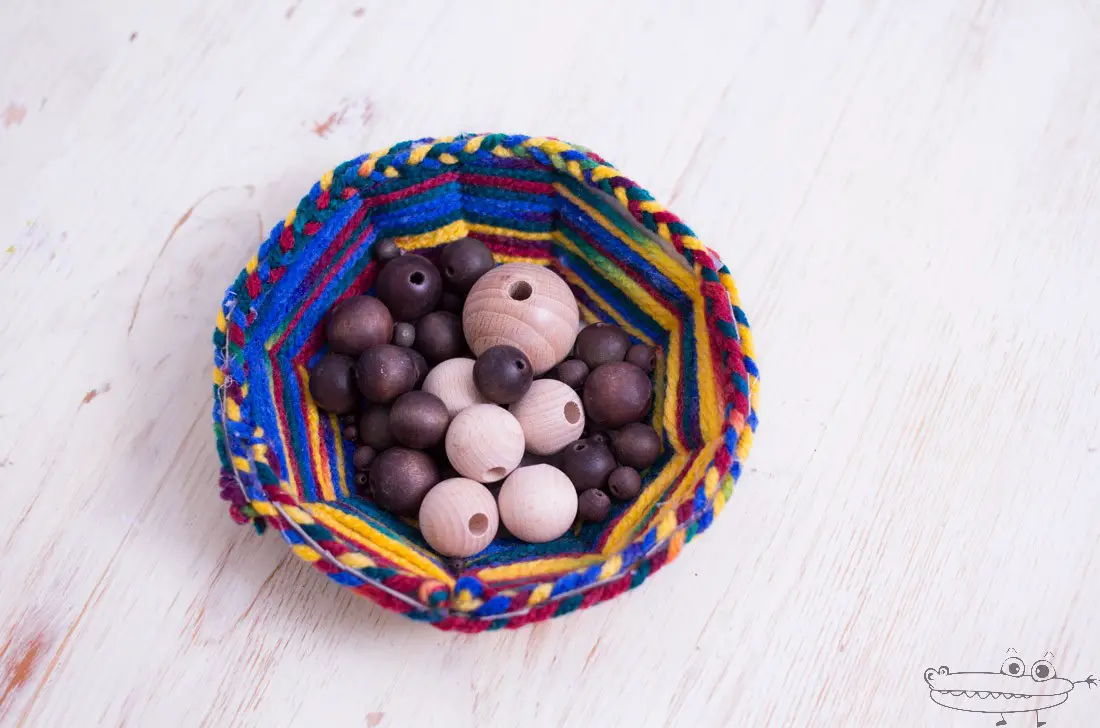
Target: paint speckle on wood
x=324 y=128
x=20 y=658
x=374 y=719
x=13 y=115
x=358 y=13
x=93 y=393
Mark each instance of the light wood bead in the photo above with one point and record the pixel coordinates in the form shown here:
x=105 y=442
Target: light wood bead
x=453 y=382
x=551 y=416
x=484 y=442
x=459 y=517
x=526 y=306
x=537 y=503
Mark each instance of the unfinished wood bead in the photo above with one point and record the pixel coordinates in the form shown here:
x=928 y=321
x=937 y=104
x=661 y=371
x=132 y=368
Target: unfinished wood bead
x=459 y=517
x=484 y=442
x=453 y=382
x=551 y=416
x=526 y=306
x=537 y=503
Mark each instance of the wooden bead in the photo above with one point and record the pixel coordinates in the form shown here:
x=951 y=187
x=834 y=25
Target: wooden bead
x=572 y=372
x=593 y=506
x=410 y=286
x=503 y=374
x=364 y=455
x=616 y=394
x=642 y=356
x=404 y=334
x=484 y=442
x=636 y=445
x=421 y=364
x=385 y=372
x=357 y=324
x=587 y=464
x=386 y=251
x=418 y=419
x=463 y=262
x=332 y=384
x=439 y=336
x=551 y=416
x=522 y=305
x=459 y=517
x=451 y=301
x=624 y=483
x=601 y=343
x=400 y=478
x=374 y=427
x=537 y=503
x=453 y=382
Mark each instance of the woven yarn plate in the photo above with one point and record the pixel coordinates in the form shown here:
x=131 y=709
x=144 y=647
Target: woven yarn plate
x=629 y=261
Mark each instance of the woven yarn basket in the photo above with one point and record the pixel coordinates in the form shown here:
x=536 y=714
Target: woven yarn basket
x=539 y=200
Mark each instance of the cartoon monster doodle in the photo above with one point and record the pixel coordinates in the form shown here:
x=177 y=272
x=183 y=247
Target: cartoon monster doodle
x=1012 y=690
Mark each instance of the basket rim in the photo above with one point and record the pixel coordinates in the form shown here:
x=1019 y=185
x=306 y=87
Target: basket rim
x=468 y=606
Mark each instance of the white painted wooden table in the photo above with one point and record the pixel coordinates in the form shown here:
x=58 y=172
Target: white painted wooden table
x=907 y=194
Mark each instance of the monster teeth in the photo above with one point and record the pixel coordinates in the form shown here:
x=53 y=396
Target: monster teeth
x=971 y=693
x=983 y=695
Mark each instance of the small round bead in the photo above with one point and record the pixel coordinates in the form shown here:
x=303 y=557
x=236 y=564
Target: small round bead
x=418 y=419
x=451 y=301
x=374 y=427
x=624 y=483
x=587 y=465
x=463 y=262
x=349 y=418
x=593 y=506
x=404 y=334
x=453 y=382
x=362 y=481
x=484 y=442
x=421 y=364
x=362 y=457
x=385 y=372
x=503 y=374
x=458 y=517
x=358 y=323
x=600 y=438
x=410 y=286
x=601 y=343
x=439 y=336
x=642 y=356
x=400 y=478
x=551 y=416
x=386 y=251
x=616 y=394
x=351 y=432
x=526 y=306
x=332 y=384
x=537 y=503
x=572 y=372
x=636 y=445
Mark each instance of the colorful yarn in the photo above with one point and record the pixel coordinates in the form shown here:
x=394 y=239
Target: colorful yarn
x=541 y=200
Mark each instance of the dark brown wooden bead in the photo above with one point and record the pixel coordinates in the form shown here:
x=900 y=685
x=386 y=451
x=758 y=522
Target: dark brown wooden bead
x=571 y=372
x=351 y=432
x=419 y=419
x=362 y=480
x=624 y=483
x=421 y=364
x=616 y=394
x=410 y=286
x=463 y=262
x=588 y=465
x=503 y=374
x=357 y=324
x=642 y=356
x=350 y=418
x=332 y=384
x=593 y=506
x=374 y=427
x=400 y=478
x=386 y=251
x=363 y=456
x=600 y=438
x=600 y=344
x=451 y=301
x=385 y=372
x=404 y=334
x=439 y=336
x=636 y=445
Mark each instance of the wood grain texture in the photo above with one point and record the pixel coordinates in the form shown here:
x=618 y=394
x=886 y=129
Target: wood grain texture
x=906 y=194
x=551 y=416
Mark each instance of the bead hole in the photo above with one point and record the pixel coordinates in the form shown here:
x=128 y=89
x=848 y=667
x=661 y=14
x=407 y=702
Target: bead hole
x=495 y=474
x=520 y=290
x=579 y=446
x=416 y=278
x=478 y=524
x=449 y=271
x=572 y=413
x=520 y=365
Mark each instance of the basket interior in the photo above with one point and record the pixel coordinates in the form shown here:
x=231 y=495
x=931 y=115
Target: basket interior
x=619 y=272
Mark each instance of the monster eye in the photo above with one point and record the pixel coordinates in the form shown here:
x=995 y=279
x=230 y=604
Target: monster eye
x=1042 y=670
x=1014 y=667
x=929 y=674
x=944 y=670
